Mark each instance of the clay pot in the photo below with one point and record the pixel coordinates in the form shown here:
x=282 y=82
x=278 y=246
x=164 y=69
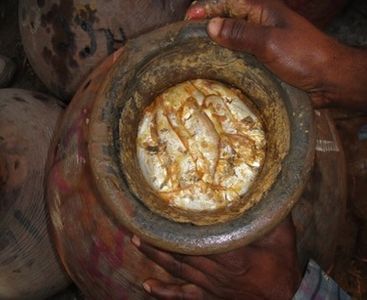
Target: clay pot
x=93 y=195
x=320 y=211
x=7 y=70
x=65 y=40
x=353 y=130
x=29 y=268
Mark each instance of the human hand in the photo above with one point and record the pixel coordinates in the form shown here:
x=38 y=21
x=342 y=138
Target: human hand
x=266 y=269
x=291 y=47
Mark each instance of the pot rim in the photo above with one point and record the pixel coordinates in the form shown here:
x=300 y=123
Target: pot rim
x=182 y=237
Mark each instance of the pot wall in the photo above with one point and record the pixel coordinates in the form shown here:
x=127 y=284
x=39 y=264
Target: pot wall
x=96 y=251
x=320 y=211
x=29 y=266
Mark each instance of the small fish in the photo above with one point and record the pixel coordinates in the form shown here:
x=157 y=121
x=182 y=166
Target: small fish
x=200 y=146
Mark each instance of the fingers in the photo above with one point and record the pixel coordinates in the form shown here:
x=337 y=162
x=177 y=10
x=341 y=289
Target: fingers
x=264 y=12
x=203 y=9
x=216 y=272
x=281 y=239
x=164 y=291
x=175 y=267
x=249 y=9
x=236 y=262
x=239 y=35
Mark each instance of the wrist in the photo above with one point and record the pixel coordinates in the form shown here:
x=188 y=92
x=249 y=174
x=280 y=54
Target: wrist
x=344 y=79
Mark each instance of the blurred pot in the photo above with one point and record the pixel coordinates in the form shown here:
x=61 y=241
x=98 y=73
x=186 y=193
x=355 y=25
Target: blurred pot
x=353 y=131
x=65 y=40
x=29 y=268
x=7 y=70
x=98 y=198
x=320 y=211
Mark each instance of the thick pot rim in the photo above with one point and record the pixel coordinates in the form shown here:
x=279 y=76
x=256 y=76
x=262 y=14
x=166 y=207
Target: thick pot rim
x=186 y=238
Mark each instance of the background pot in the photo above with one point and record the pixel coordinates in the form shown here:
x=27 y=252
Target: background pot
x=64 y=40
x=92 y=211
x=319 y=214
x=29 y=268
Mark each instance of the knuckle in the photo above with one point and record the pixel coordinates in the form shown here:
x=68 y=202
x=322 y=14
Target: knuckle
x=232 y=31
x=238 y=30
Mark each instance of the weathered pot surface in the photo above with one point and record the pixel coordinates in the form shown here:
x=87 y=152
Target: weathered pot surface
x=64 y=40
x=94 y=191
x=29 y=266
x=320 y=211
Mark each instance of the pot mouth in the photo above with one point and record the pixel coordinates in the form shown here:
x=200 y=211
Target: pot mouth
x=235 y=146
x=200 y=147
x=177 y=53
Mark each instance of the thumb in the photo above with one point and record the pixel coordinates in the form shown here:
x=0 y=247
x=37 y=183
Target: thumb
x=237 y=34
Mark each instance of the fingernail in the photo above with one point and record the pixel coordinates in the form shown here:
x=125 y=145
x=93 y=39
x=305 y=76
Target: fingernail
x=147 y=287
x=215 y=26
x=135 y=240
x=195 y=12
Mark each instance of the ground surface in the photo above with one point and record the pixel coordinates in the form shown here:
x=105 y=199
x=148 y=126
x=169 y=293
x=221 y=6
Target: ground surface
x=350 y=269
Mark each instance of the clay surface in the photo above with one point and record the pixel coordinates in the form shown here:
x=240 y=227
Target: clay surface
x=29 y=266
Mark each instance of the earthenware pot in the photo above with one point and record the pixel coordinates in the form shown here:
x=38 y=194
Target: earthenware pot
x=94 y=192
x=353 y=130
x=65 y=40
x=320 y=212
x=29 y=267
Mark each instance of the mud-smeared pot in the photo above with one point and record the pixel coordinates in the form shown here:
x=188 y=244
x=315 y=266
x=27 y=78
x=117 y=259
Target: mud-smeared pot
x=65 y=40
x=29 y=267
x=320 y=212
x=354 y=138
x=95 y=194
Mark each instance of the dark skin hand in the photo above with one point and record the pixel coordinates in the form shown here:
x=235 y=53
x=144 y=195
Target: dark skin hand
x=291 y=47
x=266 y=269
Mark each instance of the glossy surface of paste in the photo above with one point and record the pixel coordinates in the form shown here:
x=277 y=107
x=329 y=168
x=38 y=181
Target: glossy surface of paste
x=200 y=146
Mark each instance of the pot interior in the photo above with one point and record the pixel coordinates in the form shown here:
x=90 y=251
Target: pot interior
x=199 y=60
